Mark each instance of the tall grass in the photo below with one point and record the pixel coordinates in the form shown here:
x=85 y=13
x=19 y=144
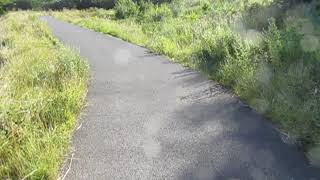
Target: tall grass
x=266 y=50
x=42 y=89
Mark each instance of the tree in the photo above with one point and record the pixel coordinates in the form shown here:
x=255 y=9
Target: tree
x=54 y=4
x=23 y=4
x=3 y=5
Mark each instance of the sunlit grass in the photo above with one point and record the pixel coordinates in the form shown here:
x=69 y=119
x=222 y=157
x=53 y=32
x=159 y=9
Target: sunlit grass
x=43 y=86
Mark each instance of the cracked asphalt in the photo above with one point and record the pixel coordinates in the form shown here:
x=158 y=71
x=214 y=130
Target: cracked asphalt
x=148 y=118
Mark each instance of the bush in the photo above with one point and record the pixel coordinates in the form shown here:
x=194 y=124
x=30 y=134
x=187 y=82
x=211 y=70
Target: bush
x=126 y=8
x=155 y=13
x=1 y=10
x=177 y=7
x=3 y=5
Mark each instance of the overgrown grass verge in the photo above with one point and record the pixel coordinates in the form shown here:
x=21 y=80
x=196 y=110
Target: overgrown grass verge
x=268 y=51
x=103 y=21
x=42 y=89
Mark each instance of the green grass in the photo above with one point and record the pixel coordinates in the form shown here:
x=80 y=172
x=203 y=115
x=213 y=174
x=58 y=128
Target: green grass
x=267 y=53
x=42 y=90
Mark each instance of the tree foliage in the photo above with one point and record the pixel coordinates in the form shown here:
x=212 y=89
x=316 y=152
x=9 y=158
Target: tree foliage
x=60 y=4
x=54 y=4
x=3 y=4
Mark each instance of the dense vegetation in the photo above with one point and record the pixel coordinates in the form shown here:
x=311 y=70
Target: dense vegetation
x=53 y=4
x=3 y=4
x=268 y=51
x=42 y=89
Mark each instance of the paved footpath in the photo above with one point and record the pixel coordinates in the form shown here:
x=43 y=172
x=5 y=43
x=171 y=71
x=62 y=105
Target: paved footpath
x=148 y=118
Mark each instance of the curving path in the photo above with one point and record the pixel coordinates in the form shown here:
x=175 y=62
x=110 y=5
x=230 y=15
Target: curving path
x=148 y=118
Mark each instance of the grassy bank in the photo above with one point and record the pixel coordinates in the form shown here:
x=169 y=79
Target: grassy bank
x=42 y=90
x=267 y=51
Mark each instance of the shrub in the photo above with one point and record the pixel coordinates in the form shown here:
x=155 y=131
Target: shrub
x=177 y=7
x=1 y=10
x=3 y=5
x=126 y=8
x=156 y=13
x=212 y=49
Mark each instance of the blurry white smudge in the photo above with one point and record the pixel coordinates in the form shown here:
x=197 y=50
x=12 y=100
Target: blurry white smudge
x=141 y=77
x=316 y=90
x=309 y=43
x=239 y=28
x=122 y=57
x=264 y=74
x=207 y=131
x=253 y=36
x=153 y=126
x=151 y=148
x=214 y=128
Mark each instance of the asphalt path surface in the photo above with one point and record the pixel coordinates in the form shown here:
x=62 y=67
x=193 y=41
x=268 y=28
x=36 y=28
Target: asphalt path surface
x=148 y=118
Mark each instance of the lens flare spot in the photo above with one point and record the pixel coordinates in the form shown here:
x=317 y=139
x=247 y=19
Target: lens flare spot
x=151 y=148
x=122 y=57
